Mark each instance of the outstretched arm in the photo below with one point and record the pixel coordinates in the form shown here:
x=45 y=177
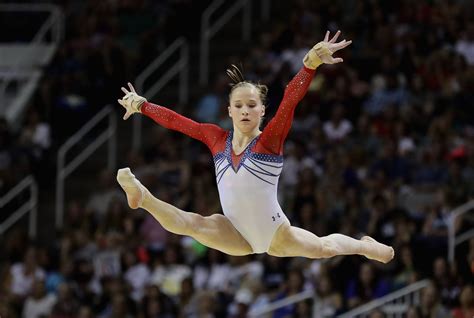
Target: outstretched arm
x=277 y=129
x=134 y=103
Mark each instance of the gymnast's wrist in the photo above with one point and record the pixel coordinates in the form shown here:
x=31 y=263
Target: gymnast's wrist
x=312 y=60
x=140 y=106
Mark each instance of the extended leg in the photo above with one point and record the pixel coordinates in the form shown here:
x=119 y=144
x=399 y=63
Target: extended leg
x=214 y=231
x=293 y=241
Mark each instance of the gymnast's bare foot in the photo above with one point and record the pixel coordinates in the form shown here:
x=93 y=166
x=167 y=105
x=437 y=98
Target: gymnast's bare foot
x=133 y=188
x=377 y=251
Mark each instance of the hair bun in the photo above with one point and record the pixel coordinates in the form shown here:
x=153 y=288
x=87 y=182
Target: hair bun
x=263 y=89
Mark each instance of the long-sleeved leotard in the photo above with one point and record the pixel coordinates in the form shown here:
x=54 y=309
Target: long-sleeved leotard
x=248 y=182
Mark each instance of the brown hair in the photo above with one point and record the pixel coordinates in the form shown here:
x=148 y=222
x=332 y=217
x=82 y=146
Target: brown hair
x=237 y=77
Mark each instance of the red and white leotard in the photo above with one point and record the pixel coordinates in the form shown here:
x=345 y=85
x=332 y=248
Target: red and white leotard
x=248 y=182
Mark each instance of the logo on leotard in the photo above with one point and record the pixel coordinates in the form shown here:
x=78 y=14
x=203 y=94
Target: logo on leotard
x=274 y=217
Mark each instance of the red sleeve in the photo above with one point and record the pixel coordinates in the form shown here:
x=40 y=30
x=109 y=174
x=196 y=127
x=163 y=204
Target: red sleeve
x=207 y=133
x=275 y=133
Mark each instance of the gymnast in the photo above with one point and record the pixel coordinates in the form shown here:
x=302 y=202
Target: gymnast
x=248 y=163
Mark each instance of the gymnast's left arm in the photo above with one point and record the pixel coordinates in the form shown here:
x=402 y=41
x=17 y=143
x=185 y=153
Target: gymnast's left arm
x=274 y=134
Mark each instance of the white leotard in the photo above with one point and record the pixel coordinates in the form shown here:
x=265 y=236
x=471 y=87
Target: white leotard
x=248 y=194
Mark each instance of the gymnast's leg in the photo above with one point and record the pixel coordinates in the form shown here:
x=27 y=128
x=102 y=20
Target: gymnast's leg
x=293 y=241
x=214 y=231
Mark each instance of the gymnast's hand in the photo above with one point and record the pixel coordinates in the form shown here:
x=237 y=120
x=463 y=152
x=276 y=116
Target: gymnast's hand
x=323 y=51
x=132 y=102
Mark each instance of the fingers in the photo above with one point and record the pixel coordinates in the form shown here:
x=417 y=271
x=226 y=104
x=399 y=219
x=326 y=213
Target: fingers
x=338 y=46
x=328 y=59
x=125 y=90
x=127 y=114
x=334 y=38
x=132 y=89
x=125 y=117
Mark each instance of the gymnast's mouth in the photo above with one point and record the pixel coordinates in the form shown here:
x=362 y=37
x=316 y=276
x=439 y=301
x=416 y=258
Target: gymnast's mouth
x=245 y=119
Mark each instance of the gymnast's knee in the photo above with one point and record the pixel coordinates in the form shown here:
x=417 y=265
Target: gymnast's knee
x=194 y=226
x=328 y=248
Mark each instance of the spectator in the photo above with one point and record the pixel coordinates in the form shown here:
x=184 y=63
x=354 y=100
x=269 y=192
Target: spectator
x=66 y=305
x=338 y=127
x=466 y=300
x=367 y=286
x=169 y=275
x=328 y=302
x=430 y=303
x=23 y=275
x=136 y=274
x=40 y=303
x=294 y=285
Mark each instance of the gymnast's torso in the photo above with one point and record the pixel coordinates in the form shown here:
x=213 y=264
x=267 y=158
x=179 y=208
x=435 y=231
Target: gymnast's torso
x=248 y=192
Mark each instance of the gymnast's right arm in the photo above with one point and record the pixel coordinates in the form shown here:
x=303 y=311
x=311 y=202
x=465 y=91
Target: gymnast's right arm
x=134 y=103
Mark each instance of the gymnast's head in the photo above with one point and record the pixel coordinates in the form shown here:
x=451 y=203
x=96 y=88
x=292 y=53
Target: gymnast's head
x=246 y=102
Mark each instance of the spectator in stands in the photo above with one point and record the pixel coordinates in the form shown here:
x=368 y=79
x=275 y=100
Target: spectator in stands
x=338 y=127
x=466 y=301
x=294 y=285
x=465 y=45
x=136 y=274
x=328 y=303
x=212 y=272
x=169 y=274
x=36 y=135
x=209 y=106
x=206 y=305
x=367 y=286
x=444 y=281
x=431 y=305
x=157 y=304
x=406 y=272
x=104 y=195
x=66 y=305
x=40 y=303
x=23 y=275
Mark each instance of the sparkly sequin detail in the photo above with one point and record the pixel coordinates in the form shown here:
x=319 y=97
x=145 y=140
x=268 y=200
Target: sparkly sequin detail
x=209 y=134
x=274 y=134
x=266 y=167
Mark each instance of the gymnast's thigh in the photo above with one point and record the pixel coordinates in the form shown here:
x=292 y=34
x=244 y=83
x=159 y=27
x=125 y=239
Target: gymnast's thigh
x=216 y=231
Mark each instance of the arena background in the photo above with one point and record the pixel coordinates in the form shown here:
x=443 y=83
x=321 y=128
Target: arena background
x=382 y=144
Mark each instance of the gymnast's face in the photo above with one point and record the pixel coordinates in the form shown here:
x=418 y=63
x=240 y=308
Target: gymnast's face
x=246 y=108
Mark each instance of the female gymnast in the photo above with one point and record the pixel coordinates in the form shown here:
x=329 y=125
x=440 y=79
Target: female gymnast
x=248 y=163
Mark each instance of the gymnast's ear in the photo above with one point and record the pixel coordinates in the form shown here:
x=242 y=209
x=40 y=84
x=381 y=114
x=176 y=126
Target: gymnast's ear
x=230 y=114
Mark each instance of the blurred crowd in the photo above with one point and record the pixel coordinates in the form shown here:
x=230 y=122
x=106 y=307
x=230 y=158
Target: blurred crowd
x=107 y=43
x=383 y=144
